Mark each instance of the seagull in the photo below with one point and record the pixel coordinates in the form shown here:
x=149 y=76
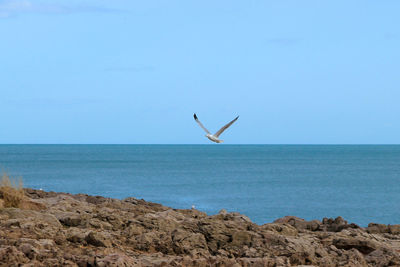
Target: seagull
x=214 y=137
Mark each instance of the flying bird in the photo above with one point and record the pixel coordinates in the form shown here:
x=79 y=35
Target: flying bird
x=214 y=137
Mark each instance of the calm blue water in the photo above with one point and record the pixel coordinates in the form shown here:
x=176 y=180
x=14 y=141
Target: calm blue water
x=265 y=182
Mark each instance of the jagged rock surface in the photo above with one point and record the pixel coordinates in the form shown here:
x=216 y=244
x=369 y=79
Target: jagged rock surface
x=81 y=230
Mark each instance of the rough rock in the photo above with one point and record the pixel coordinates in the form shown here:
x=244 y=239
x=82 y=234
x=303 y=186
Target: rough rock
x=59 y=229
x=97 y=239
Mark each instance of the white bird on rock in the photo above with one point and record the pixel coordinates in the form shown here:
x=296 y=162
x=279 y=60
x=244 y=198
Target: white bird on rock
x=214 y=137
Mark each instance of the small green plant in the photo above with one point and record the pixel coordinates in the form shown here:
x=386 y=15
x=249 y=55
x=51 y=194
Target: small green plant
x=11 y=191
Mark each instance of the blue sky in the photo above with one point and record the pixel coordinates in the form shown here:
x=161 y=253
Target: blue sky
x=297 y=72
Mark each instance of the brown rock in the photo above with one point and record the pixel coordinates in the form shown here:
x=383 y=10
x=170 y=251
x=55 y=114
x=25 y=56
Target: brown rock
x=115 y=260
x=283 y=229
x=362 y=245
x=10 y=256
x=98 y=239
x=29 y=251
x=12 y=223
x=82 y=230
x=336 y=225
x=29 y=204
x=72 y=219
x=374 y=228
x=76 y=235
x=31 y=215
x=47 y=243
x=189 y=243
x=95 y=199
x=241 y=238
x=394 y=229
x=153 y=242
x=300 y=224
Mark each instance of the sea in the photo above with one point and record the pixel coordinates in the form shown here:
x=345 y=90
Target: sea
x=361 y=183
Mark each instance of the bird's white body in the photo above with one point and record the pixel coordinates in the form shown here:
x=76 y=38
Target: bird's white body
x=214 y=139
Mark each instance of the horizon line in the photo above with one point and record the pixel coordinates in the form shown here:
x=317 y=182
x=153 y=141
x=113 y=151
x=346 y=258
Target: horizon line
x=260 y=144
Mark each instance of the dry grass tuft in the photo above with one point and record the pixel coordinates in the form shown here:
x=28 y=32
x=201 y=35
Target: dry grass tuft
x=11 y=192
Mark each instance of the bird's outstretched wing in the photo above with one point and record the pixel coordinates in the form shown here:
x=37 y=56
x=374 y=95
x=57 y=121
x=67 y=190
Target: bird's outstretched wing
x=217 y=134
x=201 y=125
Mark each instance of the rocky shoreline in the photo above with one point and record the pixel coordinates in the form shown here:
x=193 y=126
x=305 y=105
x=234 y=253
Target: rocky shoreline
x=60 y=229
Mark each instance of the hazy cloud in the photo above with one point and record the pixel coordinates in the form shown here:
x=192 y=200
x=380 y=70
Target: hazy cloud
x=10 y=8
